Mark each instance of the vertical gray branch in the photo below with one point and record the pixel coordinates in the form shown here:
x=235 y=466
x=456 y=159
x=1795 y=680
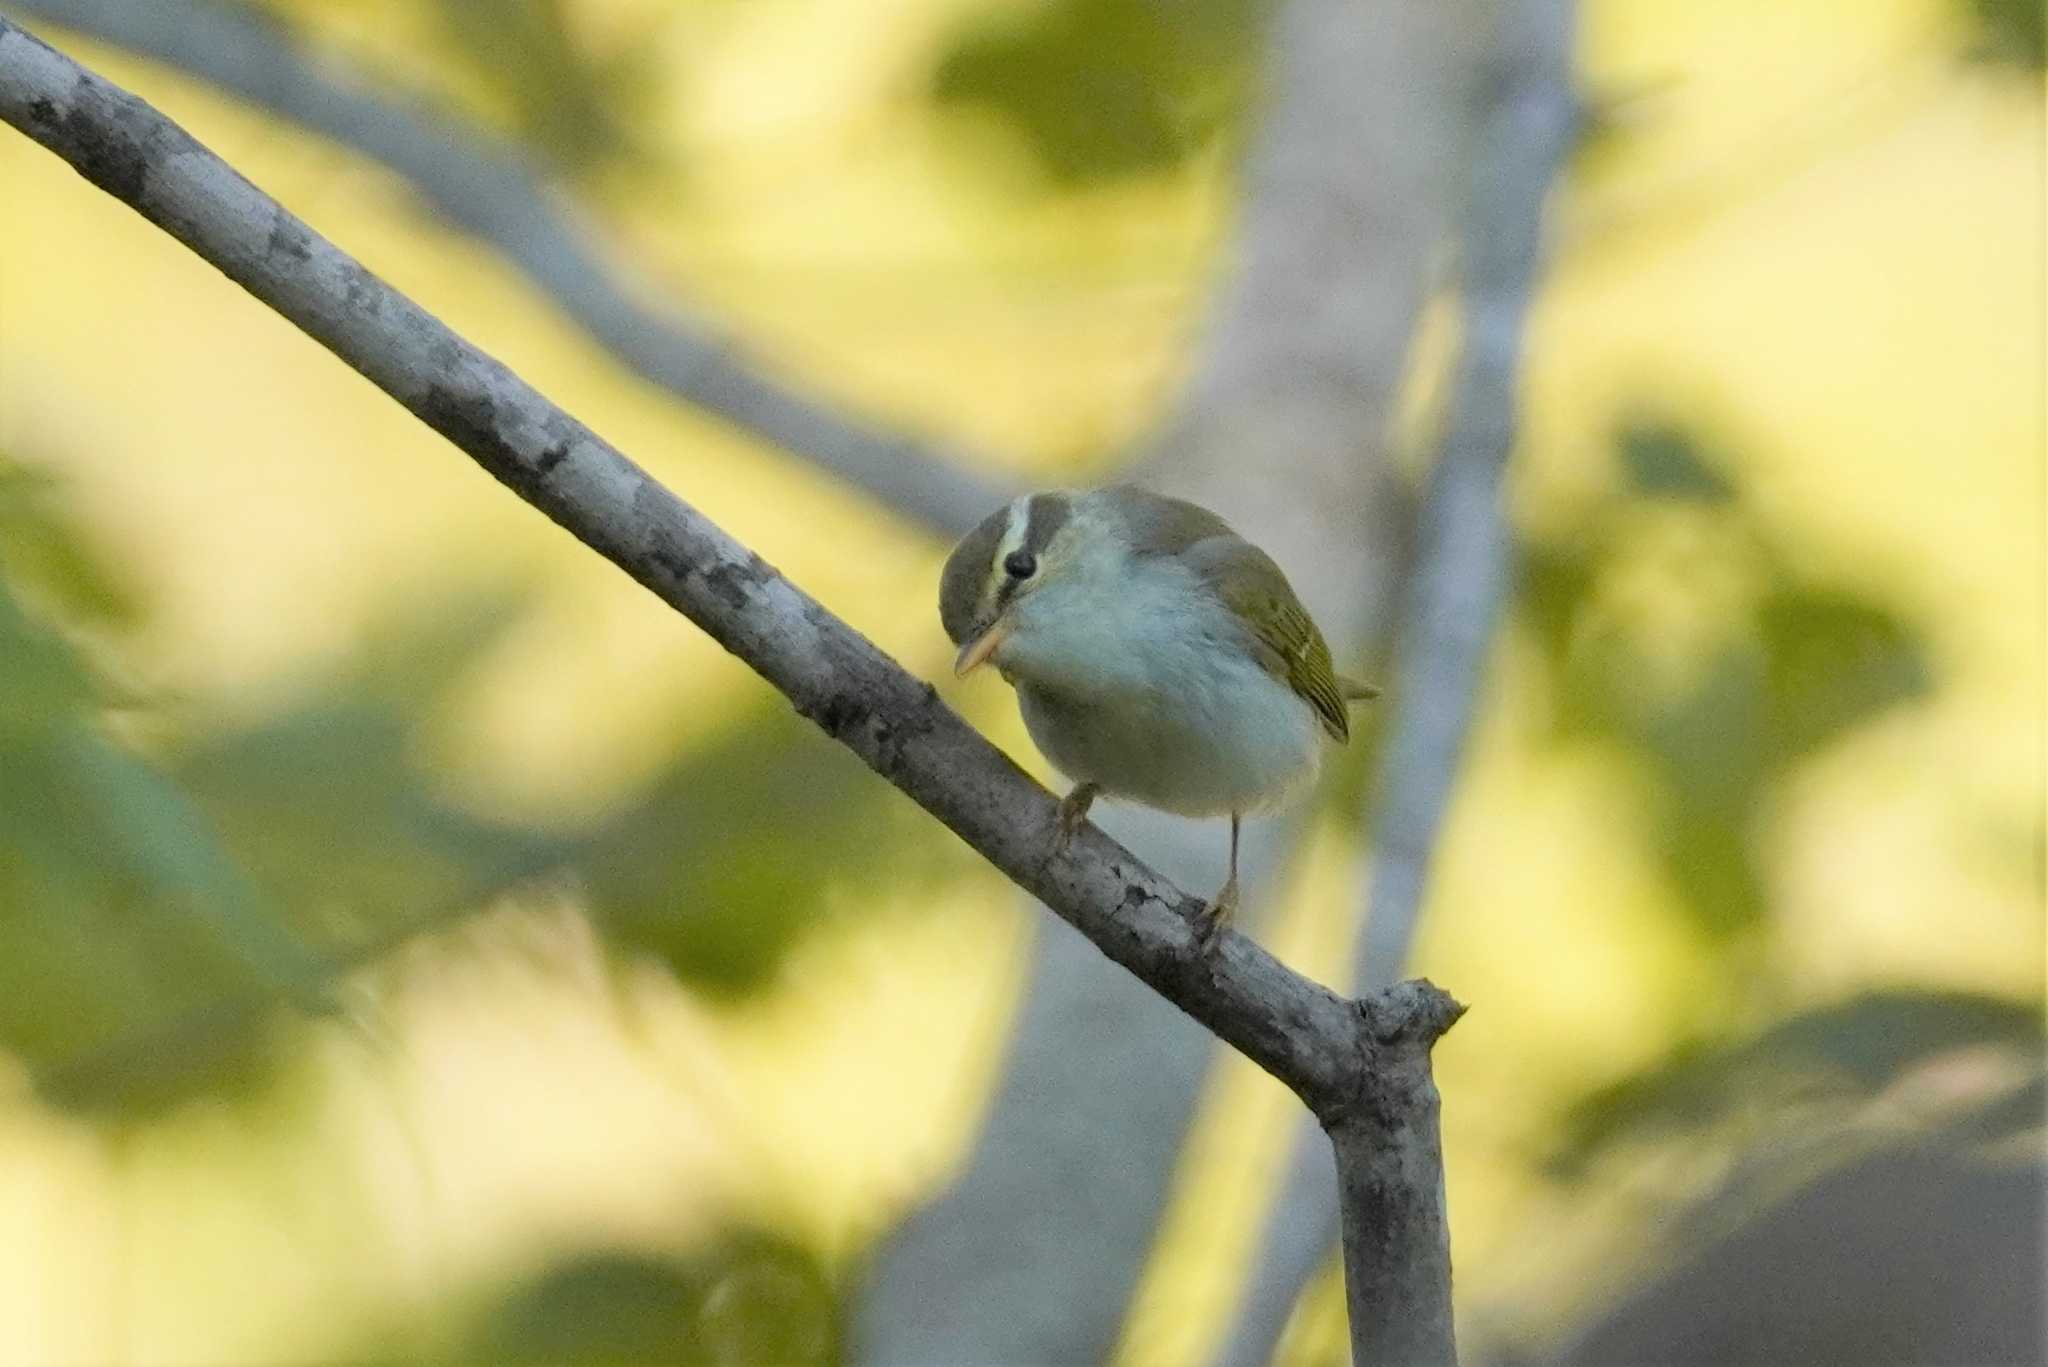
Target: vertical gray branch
x=1453 y=601
x=488 y=189
x=1033 y=1255
x=1390 y=1187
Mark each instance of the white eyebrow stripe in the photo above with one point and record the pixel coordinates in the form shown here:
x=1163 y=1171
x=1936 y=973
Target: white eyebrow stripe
x=1016 y=529
x=1014 y=532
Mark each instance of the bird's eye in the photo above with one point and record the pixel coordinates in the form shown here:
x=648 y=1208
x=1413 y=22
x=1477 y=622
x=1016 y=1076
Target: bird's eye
x=1020 y=564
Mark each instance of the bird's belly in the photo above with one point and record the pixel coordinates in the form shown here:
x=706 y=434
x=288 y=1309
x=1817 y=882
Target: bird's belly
x=1235 y=741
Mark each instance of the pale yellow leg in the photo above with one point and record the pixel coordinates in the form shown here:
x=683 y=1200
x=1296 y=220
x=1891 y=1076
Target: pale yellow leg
x=1073 y=811
x=1223 y=906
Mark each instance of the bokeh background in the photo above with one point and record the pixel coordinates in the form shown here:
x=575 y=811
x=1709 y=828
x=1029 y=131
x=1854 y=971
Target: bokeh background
x=418 y=944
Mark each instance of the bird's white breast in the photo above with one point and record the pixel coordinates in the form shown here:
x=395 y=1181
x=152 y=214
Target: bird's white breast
x=1142 y=681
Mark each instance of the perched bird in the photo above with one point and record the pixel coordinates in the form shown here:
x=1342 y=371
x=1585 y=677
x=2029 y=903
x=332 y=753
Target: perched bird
x=1157 y=655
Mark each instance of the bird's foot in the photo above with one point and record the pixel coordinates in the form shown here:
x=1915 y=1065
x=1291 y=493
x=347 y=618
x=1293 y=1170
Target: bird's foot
x=1073 y=811
x=1219 y=913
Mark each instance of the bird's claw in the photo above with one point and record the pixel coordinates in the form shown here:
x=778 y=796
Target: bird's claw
x=1217 y=916
x=1073 y=812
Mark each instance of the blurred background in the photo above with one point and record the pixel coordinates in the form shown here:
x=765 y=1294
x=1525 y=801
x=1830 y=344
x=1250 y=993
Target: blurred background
x=417 y=944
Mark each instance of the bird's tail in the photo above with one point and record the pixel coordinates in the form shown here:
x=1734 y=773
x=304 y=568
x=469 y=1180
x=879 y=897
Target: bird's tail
x=1355 y=690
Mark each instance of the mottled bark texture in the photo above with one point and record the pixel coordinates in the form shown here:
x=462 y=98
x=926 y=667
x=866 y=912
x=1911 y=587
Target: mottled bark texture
x=1328 y=1050
x=1390 y=1188
x=488 y=189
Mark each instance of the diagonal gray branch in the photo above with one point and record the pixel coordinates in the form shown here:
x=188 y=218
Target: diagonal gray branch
x=1454 y=599
x=489 y=190
x=1362 y=1067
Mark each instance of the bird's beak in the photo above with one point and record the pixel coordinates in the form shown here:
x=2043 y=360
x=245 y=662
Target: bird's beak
x=975 y=653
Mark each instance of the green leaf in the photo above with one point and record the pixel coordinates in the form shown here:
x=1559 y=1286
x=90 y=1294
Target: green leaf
x=46 y=550
x=1866 y=1042
x=744 y=1297
x=325 y=800
x=153 y=917
x=1846 y=1051
x=1661 y=460
x=1555 y=581
x=149 y=830
x=43 y=679
x=1708 y=741
x=118 y=903
x=334 y=818
x=1106 y=89
x=118 y=908
x=577 y=108
x=726 y=860
x=1711 y=739
x=2011 y=33
x=1835 y=661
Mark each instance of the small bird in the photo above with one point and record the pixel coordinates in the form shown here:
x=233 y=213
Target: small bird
x=1157 y=655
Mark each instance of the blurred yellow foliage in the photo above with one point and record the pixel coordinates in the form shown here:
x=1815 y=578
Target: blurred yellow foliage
x=1812 y=234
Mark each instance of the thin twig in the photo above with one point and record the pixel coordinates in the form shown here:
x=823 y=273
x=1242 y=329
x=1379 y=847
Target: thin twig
x=489 y=189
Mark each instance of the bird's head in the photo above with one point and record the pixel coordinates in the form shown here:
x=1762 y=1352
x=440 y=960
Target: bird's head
x=1032 y=546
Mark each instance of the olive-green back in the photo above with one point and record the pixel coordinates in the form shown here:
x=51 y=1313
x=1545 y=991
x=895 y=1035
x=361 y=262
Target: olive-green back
x=1289 y=645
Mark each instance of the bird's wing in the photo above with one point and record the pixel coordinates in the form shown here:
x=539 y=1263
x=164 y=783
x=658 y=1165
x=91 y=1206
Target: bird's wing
x=1289 y=645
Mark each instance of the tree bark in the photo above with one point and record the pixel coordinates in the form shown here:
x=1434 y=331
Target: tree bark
x=1328 y=1050
x=1397 y=1243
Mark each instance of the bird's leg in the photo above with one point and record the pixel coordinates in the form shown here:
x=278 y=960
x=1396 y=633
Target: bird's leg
x=1223 y=905
x=1073 y=811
